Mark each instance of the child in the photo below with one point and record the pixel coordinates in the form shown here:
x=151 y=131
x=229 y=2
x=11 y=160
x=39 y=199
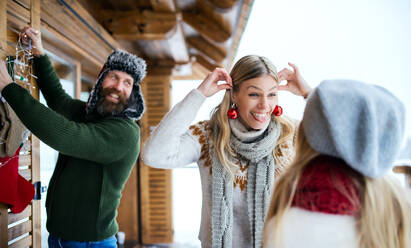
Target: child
x=336 y=193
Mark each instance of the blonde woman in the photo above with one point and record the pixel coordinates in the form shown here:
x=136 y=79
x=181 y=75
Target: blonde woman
x=337 y=192
x=238 y=151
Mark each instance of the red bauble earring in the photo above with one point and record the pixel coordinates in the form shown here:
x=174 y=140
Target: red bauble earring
x=278 y=110
x=232 y=112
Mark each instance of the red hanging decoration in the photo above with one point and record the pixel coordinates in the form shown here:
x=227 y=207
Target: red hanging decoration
x=278 y=110
x=232 y=112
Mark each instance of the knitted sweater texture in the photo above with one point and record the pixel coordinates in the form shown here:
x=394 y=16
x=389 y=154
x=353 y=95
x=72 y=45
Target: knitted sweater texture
x=174 y=143
x=95 y=157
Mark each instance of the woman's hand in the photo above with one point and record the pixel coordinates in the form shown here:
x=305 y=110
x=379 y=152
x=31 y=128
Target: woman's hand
x=210 y=84
x=5 y=78
x=295 y=82
x=35 y=36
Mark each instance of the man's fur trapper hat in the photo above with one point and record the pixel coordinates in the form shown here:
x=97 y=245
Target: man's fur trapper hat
x=131 y=64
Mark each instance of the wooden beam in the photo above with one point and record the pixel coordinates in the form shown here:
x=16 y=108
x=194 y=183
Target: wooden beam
x=64 y=71
x=16 y=10
x=224 y=4
x=163 y=5
x=36 y=204
x=88 y=75
x=161 y=62
x=210 y=50
x=162 y=67
x=74 y=28
x=86 y=86
x=239 y=30
x=140 y=25
x=207 y=26
x=35 y=14
x=205 y=63
x=88 y=70
x=72 y=53
x=3 y=225
x=160 y=70
x=54 y=38
x=35 y=223
x=78 y=81
x=93 y=24
x=3 y=29
x=406 y=170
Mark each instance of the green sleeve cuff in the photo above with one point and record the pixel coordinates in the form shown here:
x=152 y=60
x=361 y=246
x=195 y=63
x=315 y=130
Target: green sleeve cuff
x=42 y=61
x=9 y=92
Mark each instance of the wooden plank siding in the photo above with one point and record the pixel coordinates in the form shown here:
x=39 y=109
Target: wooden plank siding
x=404 y=168
x=35 y=142
x=19 y=228
x=155 y=184
x=128 y=211
x=24 y=242
x=20 y=216
x=3 y=28
x=47 y=16
x=3 y=225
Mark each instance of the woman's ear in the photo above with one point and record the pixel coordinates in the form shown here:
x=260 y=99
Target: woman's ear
x=233 y=96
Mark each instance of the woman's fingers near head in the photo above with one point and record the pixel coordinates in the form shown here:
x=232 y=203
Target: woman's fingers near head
x=220 y=74
x=224 y=87
x=284 y=74
x=225 y=76
x=295 y=68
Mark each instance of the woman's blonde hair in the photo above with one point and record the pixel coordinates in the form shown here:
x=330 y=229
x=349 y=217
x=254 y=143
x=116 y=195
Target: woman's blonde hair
x=248 y=67
x=385 y=216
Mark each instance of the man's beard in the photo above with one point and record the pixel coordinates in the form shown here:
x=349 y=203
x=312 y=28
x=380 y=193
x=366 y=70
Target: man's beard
x=107 y=108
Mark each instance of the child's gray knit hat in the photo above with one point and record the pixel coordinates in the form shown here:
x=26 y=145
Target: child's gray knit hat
x=360 y=123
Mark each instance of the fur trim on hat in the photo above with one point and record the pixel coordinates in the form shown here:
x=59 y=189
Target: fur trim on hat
x=134 y=66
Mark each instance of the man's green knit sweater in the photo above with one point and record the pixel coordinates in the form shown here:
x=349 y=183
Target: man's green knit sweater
x=95 y=159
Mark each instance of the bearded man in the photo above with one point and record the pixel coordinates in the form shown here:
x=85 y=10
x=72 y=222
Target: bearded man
x=98 y=143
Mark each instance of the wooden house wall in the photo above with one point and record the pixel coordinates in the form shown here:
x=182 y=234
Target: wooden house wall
x=81 y=41
x=23 y=228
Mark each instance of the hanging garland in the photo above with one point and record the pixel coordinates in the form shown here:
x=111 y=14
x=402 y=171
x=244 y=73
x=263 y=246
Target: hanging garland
x=19 y=67
x=20 y=70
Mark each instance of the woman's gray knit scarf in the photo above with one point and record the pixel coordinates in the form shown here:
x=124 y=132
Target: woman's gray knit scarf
x=260 y=181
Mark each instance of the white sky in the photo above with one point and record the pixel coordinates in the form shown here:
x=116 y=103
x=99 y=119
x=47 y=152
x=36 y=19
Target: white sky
x=358 y=39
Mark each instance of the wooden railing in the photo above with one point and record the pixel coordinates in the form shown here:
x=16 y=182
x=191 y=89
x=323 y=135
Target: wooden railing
x=18 y=229
x=404 y=167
